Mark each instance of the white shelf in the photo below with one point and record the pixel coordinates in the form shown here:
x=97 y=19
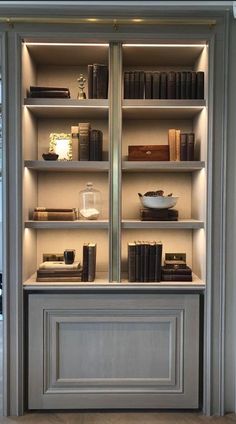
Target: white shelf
x=161 y=109
x=67 y=225
x=68 y=108
x=67 y=166
x=162 y=166
x=183 y=224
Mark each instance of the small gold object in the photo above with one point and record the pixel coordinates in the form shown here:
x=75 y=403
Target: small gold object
x=81 y=81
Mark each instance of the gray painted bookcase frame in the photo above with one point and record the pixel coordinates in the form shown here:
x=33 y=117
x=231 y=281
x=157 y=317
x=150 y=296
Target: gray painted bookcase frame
x=15 y=297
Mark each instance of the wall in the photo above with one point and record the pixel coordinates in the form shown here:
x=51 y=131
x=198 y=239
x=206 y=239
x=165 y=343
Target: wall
x=230 y=349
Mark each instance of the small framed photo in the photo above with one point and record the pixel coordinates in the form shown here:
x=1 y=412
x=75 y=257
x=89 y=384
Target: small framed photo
x=61 y=144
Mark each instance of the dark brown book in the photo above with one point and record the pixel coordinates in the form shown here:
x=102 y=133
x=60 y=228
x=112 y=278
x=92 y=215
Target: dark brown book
x=183 y=146
x=193 y=86
x=149 y=153
x=190 y=146
x=90 y=81
x=58 y=279
x=138 y=261
x=43 y=88
x=163 y=85
x=146 y=262
x=171 y=85
x=49 y=94
x=102 y=80
x=91 y=262
x=158 y=259
x=156 y=85
x=85 y=263
x=152 y=256
x=200 y=85
x=183 y=85
x=47 y=273
x=95 y=145
x=141 y=84
x=148 y=214
x=131 y=85
x=188 y=85
x=142 y=262
x=148 y=85
x=54 y=216
x=95 y=80
x=126 y=85
x=176 y=271
x=84 y=133
x=136 y=84
x=172 y=277
x=42 y=209
x=177 y=85
x=131 y=262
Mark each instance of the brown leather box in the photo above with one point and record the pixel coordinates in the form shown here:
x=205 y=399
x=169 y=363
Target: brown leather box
x=148 y=152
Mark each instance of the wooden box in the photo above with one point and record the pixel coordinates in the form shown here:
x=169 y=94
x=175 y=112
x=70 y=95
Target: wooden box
x=148 y=152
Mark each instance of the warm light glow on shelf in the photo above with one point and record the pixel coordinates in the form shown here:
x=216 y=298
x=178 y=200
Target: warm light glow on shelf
x=162 y=107
x=66 y=44
x=137 y=20
x=164 y=45
x=68 y=106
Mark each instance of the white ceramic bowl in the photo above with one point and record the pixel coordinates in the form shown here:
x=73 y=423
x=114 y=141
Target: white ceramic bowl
x=158 y=202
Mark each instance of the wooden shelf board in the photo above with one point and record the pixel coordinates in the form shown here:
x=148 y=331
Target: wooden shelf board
x=162 y=166
x=183 y=224
x=155 y=108
x=67 y=166
x=67 y=225
x=68 y=108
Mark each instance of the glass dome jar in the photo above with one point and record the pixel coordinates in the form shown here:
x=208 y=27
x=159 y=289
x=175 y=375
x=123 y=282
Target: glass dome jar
x=89 y=202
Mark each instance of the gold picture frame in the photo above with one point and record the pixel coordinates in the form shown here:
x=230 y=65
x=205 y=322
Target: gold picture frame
x=61 y=143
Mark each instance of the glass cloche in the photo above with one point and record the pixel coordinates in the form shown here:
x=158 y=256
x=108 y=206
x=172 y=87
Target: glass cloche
x=89 y=202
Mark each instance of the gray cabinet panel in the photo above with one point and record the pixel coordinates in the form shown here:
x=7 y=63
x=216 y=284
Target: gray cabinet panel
x=113 y=351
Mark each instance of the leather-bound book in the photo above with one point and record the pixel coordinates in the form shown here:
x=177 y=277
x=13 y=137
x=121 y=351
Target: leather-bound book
x=171 y=85
x=158 y=258
x=85 y=262
x=136 y=84
x=84 y=134
x=172 y=145
x=126 y=85
x=152 y=256
x=177 y=144
x=138 y=261
x=90 y=81
x=131 y=262
x=174 y=277
x=141 y=84
x=148 y=214
x=75 y=142
x=50 y=94
x=183 y=146
x=95 y=80
x=188 y=85
x=183 y=85
x=131 y=86
x=95 y=145
x=163 y=85
x=101 y=80
x=43 y=88
x=142 y=261
x=148 y=85
x=200 y=85
x=156 y=85
x=177 y=85
x=176 y=271
x=193 y=85
x=190 y=146
x=91 y=261
x=146 y=261
x=54 y=216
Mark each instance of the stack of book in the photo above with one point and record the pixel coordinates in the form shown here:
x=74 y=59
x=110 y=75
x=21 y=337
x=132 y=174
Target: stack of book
x=97 y=81
x=150 y=214
x=181 y=145
x=144 y=261
x=175 y=268
x=50 y=271
x=49 y=92
x=54 y=214
x=87 y=144
x=164 y=85
x=89 y=262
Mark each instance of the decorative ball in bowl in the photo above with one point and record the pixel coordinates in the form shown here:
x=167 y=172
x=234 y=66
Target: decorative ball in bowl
x=50 y=156
x=157 y=200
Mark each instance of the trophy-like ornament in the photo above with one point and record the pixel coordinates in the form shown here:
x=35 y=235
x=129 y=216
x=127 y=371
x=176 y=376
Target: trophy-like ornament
x=81 y=81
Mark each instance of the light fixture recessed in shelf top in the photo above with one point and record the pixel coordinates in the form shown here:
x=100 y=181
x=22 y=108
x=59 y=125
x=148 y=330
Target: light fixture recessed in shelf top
x=163 y=45
x=66 y=44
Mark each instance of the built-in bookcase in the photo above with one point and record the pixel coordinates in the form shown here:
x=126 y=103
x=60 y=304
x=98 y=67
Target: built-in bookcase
x=143 y=122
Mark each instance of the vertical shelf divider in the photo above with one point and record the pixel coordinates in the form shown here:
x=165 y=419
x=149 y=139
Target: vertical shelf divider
x=115 y=138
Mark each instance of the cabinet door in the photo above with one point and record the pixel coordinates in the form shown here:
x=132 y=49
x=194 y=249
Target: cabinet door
x=113 y=350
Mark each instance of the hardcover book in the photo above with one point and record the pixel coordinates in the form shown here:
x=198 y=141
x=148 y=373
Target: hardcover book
x=171 y=85
x=156 y=85
x=148 y=153
x=172 y=144
x=148 y=85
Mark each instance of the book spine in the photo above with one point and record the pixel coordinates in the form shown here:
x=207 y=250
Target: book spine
x=190 y=146
x=177 y=144
x=50 y=94
x=173 y=271
x=148 y=85
x=95 y=79
x=138 y=262
x=85 y=263
x=41 y=209
x=54 y=216
x=152 y=255
x=84 y=132
x=156 y=85
x=171 y=85
x=183 y=146
x=58 y=279
x=188 y=84
x=90 y=81
x=141 y=84
x=136 y=84
x=163 y=85
x=193 y=85
x=95 y=145
x=91 y=263
x=200 y=85
x=177 y=85
x=183 y=277
x=158 y=258
x=172 y=145
x=142 y=250
x=126 y=85
x=42 y=88
x=131 y=87
x=131 y=262
x=146 y=262
x=75 y=142
x=183 y=85
x=102 y=80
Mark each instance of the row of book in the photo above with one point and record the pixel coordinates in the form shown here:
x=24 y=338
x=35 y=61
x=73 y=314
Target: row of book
x=54 y=214
x=181 y=145
x=87 y=143
x=48 y=92
x=97 y=81
x=163 y=85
